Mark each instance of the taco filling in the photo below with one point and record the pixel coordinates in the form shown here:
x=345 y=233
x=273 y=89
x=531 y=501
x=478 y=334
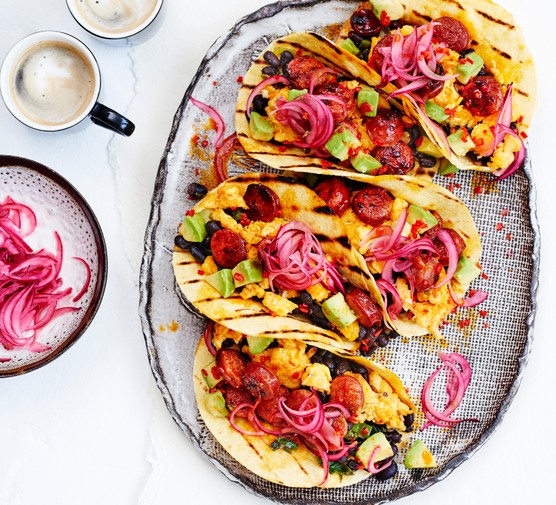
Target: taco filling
x=298 y=110
x=465 y=72
x=263 y=254
x=340 y=418
x=419 y=242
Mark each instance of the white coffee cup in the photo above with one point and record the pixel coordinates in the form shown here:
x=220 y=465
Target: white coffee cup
x=114 y=19
x=50 y=81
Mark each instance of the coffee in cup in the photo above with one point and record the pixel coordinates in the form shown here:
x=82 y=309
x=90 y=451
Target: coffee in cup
x=114 y=19
x=51 y=81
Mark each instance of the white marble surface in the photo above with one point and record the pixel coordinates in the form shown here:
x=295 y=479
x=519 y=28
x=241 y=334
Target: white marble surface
x=91 y=427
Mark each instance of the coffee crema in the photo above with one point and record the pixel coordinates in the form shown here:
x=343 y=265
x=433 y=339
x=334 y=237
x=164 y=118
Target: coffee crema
x=115 y=16
x=53 y=83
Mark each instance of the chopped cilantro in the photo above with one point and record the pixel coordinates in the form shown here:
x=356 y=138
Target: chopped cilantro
x=339 y=468
x=284 y=443
x=361 y=430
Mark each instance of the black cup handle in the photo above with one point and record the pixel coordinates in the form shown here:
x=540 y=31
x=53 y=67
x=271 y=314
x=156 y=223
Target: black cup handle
x=112 y=120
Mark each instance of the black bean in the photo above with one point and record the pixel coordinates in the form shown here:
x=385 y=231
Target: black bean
x=270 y=71
x=357 y=39
x=393 y=436
x=414 y=134
x=260 y=103
x=271 y=59
x=198 y=252
x=426 y=160
x=353 y=464
x=196 y=190
x=408 y=422
x=394 y=448
x=286 y=57
x=229 y=342
x=330 y=362
x=343 y=367
x=180 y=242
x=357 y=368
x=212 y=227
x=382 y=340
x=388 y=472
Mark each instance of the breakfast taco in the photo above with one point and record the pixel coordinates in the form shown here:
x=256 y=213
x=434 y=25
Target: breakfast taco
x=306 y=104
x=297 y=414
x=419 y=241
x=263 y=255
x=462 y=68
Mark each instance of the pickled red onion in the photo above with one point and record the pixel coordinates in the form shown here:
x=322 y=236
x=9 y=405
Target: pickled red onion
x=371 y=464
x=295 y=260
x=457 y=382
x=453 y=256
x=215 y=116
x=269 y=81
x=477 y=298
x=222 y=157
x=30 y=283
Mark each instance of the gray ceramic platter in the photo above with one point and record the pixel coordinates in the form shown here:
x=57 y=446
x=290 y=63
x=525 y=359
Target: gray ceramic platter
x=495 y=337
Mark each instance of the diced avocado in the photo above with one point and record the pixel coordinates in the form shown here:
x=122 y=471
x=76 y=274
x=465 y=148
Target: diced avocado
x=366 y=449
x=392 y=9
x=295 y=93
x=365 y=163
x=193 y=228
x=447 y=168
x=426 y=146
x=435 y=112
x=258 y=344
x=342 y=143
x=216 y=405
x=367 y=101
x=211 y=374
x=338 y=312
x=418 y=456
x=469 y=67
x=461 y=142
x=247 y=272
x=222 y=281
x=466 y=271
x=415 y=213
x=261 y=128
x=349 y=46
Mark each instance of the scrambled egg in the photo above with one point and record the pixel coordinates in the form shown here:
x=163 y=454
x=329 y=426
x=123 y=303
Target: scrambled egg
x=504 y=154
x=382 y=405
x=430 y=308
x=288 y=361
x=221 y=333
x=209 y=266
x=317 y=376
x=278 y=304
x=318 y=292
x=350 y=332
x=252 y=291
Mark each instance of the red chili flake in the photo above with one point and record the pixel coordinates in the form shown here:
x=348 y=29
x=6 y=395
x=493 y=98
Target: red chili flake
x=485 y=325
x=214 y=83
x=523 y=135
x=299 y=52
x=215 y=372
x=190 y=212
x=478 y=190
x=239 y=277
x=484 y=276
x=384 y=18
x=195 y=138
x=483 y=313
x=504 y=212
x=201 y=272
x=244 y=220
x=304 y=308
x=451 y=187
x=479 y=142
x=419 y=141
x=240 y=79
x=377 y=332
x=204 y=372
x=509 y=236
x=265 y=274
x=499 y=226
x=295 y=375
x=197 y=172
x=464 y=323
x=457 y=185
x=273 y=314
x=520 y=119
x=366 y=108
x=364 y=431
x=282 y=149
x=450 y=111
x=205 y=143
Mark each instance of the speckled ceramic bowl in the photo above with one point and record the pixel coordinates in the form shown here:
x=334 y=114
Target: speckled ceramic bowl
x=58 y=207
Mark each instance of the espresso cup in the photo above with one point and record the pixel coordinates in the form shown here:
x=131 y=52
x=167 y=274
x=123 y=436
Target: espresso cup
x=50 y=81
x=114 y=19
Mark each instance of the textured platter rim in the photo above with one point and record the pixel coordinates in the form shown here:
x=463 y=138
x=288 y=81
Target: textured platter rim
x=145 y=292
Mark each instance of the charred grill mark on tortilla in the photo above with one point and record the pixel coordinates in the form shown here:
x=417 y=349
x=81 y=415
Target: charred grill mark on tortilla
x=325 y=209
x=428 y=19
x=455 y=2
x=495 y=20
x=521 y=92
x=502 y=53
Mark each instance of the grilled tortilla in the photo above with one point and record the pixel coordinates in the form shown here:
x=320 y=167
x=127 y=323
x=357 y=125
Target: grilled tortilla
x=497 y=38
x=248 y=314
x=281 y=154
x=298 y=467
x=424 y=312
